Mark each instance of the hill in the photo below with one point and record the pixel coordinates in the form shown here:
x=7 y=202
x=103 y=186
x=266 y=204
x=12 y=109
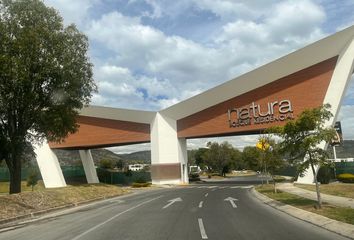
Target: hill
x=141 y=157
x=72 y=157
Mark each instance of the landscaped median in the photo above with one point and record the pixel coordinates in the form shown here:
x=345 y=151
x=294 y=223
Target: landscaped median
x=334 y=218
x=43 y=200
x=337 y=213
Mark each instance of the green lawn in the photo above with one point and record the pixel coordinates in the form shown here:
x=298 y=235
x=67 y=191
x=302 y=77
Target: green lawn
x=336 y=189
x=337 y=213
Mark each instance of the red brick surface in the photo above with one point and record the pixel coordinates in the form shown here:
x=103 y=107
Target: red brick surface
x=97 y=132
x=305 y=89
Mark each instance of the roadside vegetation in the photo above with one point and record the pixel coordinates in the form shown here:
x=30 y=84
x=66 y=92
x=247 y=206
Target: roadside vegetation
x=303 y=141
x=41 y=199
x=337 y=213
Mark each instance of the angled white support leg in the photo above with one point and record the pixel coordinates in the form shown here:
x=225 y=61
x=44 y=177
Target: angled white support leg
x=89 y=166
x=335 y=93
x=49 y=167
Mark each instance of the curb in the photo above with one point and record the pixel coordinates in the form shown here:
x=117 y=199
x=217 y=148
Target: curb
x=341 y=228
x=54 y=209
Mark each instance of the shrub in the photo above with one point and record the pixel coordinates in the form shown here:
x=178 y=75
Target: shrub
x=140 y=185
x=325 y=174
x=32 y=179
x=346 y=177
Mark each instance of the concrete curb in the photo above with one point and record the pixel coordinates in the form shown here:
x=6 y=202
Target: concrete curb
x=51 y=210
x=341 y=228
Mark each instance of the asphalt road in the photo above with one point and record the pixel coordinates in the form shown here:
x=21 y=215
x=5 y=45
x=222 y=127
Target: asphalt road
x=208 y=211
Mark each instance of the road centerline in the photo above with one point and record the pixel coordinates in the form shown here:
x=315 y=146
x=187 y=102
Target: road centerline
x=201 y=204
x=202 y=229
x=112 y=218
x=206 y=194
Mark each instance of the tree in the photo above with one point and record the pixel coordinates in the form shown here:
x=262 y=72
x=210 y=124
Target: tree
x=107 y=163
x=218 y=157
x=120 y=164
x=199 y=157
x=32 y=179
x=45 y=78
x=302 y=140
x=251 y=157
x=271 y=158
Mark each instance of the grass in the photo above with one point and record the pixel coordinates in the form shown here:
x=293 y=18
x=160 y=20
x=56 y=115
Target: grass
x=41 y=199
x=337 y=213
x=5 y=186
x=336 y=189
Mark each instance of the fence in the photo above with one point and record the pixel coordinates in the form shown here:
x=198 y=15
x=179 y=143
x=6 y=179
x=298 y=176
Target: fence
x=344 y=167
x=77 y=174
x=111 y=177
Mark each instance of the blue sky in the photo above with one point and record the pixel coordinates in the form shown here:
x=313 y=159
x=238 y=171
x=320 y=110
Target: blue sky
x=150 y=54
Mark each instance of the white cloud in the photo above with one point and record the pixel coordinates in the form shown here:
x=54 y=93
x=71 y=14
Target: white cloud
x=238 y=142
x=72 y=11
x=173 y=67
x=142 y=67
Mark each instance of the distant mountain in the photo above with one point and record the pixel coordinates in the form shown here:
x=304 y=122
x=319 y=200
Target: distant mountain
x=141 y=156
x=72 y=157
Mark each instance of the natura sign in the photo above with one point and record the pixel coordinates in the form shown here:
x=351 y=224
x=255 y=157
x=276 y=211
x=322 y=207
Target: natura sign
x=256 y=114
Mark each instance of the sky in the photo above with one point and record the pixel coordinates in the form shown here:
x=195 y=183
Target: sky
x=151 y=54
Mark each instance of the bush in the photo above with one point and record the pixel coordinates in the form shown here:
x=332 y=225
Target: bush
x=140 y=185
x=32 y=179
x=279 y=179
x=325 y=174
x=346 y=177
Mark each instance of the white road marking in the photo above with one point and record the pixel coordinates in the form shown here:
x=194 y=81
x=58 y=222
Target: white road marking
x=236 y=187
x=112 y=218
x=247 y=187
x=213 y=187
x=222 y=187
x=172 y=201
x=206 y=194
x=232 y=201
x=201 y=204
x=202 y=229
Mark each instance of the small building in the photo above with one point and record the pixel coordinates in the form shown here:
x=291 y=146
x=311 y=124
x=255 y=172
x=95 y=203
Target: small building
x=137 y=167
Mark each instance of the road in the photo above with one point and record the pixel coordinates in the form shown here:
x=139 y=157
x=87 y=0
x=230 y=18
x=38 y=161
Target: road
x=209 y=211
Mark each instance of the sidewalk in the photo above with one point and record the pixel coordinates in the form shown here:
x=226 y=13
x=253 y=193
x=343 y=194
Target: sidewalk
x=333 y=200
x=341 y=228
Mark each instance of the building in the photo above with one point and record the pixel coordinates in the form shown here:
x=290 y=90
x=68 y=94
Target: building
x=267 y=96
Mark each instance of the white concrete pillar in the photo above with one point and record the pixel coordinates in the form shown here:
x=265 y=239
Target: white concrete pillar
x=165 y=156
x=335 y=93
x=89 y=166
x=49 y=167
x=183 y=158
